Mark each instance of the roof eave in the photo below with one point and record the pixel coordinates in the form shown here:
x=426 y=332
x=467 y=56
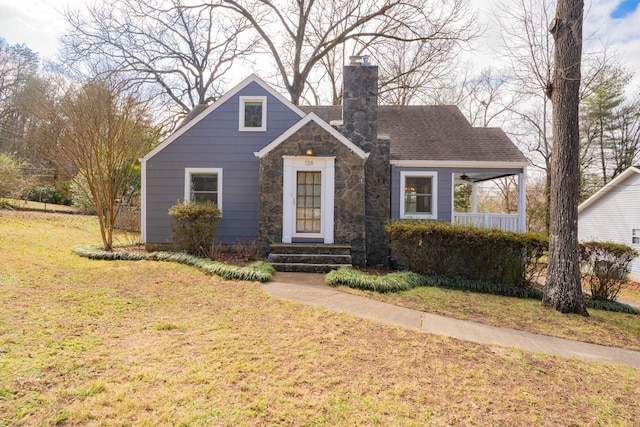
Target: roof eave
x=610 y=185
x=460 y=164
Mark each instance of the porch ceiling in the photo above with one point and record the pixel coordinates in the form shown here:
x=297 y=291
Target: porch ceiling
x=480 y=177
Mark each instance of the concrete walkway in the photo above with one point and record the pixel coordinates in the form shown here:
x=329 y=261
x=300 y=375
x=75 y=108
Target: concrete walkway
x=310 y=289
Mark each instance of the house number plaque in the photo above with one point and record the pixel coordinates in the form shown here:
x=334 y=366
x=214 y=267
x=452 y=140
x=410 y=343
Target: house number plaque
x=308 y=162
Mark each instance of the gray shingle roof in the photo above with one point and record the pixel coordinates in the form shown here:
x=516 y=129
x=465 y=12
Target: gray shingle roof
x=435 y=133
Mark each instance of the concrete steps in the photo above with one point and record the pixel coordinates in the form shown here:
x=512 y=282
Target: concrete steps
x=309 y=257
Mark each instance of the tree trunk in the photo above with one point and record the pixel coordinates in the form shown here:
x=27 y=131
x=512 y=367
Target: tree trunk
x=563 y=290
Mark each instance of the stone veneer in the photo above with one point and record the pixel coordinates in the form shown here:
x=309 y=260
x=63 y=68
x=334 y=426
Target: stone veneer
x=360 y=125
x=349 y=211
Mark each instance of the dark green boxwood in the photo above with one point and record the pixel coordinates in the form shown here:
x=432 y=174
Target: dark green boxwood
x=487 y=255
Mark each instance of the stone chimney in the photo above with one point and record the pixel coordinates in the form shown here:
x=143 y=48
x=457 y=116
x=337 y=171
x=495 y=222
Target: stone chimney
x=360 y=125
x=360 y=102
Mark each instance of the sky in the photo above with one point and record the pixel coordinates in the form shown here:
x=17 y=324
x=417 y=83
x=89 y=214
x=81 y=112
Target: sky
x=39 y=23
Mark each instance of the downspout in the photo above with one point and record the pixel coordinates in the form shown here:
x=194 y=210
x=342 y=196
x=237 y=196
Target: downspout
x=143 y=210
x=522 y=200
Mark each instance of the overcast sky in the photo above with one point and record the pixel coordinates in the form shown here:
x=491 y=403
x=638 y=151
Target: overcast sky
x=38 y=24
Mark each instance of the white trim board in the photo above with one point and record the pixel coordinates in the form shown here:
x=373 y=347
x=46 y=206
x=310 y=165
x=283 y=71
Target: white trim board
x=434 y=194
x=211 y=171
x=311 y=117
x=457 y=164
x=610 y=186
x=293 y=164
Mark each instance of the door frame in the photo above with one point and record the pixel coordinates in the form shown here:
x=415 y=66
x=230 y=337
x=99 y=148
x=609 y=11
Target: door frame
x=324 y=165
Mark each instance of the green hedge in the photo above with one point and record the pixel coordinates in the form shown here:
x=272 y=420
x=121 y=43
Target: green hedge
x=436 y=248
x=258 y=271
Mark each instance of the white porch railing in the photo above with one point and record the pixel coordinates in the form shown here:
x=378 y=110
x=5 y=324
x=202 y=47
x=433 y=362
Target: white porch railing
x=504 y=222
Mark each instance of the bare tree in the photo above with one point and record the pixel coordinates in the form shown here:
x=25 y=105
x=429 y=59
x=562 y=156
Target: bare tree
x=180 y=51
x=98 y=131
x=18 y=70
x=298 y=35
x=410 y=71
x=563 y=289
x=529 y=50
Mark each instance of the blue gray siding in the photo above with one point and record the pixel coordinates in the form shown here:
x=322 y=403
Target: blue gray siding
x=445 y=187
x=215 y=142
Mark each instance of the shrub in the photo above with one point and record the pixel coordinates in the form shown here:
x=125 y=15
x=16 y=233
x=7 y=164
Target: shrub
x=81 y=195
x=605 y=267
x=487 y=255
x=14 y=181
x=48 y=194
x=194 y=225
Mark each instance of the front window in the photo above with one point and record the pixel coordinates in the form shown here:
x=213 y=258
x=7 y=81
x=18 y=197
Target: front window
x=253 y=113
x=418 y=195
x=635 y=236
x=202 y=184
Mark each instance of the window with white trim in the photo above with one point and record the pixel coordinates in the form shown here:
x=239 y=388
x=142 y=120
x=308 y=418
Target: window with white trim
x=253 y=113
x=635 y=236
x=202 y=184
x=418 y=195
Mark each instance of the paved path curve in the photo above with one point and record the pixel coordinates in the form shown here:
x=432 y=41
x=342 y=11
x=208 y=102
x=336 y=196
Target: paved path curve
x=310 y=289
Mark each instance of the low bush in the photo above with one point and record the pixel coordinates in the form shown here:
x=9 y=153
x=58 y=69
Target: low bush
x=605 y=267
x=194 y=225
x=258 y=271
x=486 y=255
x=49 y=194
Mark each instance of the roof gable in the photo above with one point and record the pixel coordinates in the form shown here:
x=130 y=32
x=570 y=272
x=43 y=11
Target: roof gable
x=311 y=117
x=199 y=113
x=616 y=182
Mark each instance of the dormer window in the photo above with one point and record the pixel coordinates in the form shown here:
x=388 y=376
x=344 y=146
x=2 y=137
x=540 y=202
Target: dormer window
x=253 y=113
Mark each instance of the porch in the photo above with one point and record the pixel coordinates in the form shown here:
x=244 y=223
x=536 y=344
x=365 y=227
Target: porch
x=502 y=221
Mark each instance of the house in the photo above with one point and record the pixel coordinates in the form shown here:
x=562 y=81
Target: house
x=333 y=176
x=613 y=215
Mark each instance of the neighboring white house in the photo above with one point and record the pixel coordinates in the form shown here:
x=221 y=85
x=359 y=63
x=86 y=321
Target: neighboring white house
x=613 y=215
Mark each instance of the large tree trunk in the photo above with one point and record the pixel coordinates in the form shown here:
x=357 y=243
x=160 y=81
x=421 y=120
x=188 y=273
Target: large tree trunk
x=563 y=291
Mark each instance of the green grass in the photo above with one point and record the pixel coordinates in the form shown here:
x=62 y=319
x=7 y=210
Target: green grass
x=403 y=281
x=88 y=342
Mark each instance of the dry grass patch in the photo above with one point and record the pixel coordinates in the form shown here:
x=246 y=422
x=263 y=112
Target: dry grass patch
x=602 y=327
x=87 y=342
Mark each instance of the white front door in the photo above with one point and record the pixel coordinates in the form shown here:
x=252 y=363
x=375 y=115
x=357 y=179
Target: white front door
x=308 y=199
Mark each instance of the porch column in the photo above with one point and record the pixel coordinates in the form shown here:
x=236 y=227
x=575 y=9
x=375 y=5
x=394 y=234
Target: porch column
x=522 y=200
x=474 y=197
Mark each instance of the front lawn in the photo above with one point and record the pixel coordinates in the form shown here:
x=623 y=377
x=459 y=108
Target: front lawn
x=601 y=327
x=86 y=342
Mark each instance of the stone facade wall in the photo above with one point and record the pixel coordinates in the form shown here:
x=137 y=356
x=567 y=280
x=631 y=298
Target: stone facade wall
x=360 y=105
x=360 y=125
x=378 y=202
x=349 y=202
